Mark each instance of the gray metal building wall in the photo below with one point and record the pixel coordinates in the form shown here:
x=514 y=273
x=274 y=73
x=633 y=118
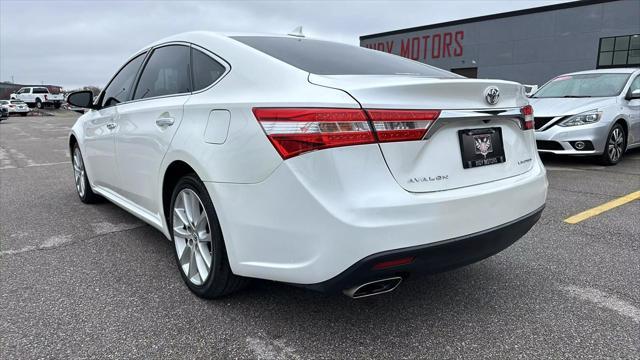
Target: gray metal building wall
x=529 y=48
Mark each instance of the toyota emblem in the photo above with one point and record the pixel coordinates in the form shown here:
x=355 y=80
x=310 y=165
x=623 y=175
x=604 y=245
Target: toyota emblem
x=492 y=95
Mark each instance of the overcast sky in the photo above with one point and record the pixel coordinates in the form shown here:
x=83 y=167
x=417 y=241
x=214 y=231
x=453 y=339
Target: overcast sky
x=77 y=43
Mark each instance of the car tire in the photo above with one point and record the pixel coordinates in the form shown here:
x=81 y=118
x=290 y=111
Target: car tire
x=615 y=146
x=83 y=188
x=199 y=247
x=39 y=104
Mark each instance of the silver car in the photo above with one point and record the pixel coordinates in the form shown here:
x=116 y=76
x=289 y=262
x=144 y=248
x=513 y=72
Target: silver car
x=594 y=113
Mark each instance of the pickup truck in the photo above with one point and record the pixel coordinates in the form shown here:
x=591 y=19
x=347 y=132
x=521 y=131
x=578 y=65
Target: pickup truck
x=38 y=97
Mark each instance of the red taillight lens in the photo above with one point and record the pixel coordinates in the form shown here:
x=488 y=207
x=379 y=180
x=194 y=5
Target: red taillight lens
x=393 y=263
x=401 y=125
x=527 y=112
x=46 y=98
x=295 y=131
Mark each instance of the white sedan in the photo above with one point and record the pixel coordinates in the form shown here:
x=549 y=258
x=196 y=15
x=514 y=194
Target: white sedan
x=15 y=107
x=589 y=113
x=319 y=164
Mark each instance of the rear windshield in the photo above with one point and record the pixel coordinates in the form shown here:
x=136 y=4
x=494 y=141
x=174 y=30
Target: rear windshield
x=17 y=102
x=331 y=58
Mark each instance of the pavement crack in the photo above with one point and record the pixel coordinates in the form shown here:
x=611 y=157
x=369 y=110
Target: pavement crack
x=58 y=242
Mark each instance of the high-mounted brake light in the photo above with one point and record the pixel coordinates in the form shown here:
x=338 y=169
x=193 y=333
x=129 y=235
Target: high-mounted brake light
x=401 y=125
x=527 y=112
x=294 y=131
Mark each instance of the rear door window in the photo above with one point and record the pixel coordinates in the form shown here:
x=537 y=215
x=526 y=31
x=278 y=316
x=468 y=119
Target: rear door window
x=119 y=88
x=40 y=91
x=205 y=69
x=166 y=73
x=331 y=58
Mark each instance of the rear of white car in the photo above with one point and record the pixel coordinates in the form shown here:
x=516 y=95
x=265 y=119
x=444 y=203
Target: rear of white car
x=329 y=166
x=380 y=186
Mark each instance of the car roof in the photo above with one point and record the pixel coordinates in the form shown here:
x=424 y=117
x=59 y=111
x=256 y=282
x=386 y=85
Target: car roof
x=607 y=71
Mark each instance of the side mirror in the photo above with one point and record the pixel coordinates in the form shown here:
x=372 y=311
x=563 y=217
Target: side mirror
x=82 y=99
x=635 y=94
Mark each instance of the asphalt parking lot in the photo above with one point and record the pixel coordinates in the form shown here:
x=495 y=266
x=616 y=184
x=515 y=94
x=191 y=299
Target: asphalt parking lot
x=82 y=281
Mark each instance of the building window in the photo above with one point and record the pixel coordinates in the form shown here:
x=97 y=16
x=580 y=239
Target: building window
x=619 y=51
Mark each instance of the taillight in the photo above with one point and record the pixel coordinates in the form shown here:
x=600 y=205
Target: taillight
x=401 y=125
x=46 y=98
x=527 y=112
x=294 y=131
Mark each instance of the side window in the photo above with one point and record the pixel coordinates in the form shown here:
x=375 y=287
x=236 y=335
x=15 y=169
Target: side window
x=40 y=90
x=167 y=72
x=24 y=91
x=205 y=70
x=635 y=85
x=119 y=88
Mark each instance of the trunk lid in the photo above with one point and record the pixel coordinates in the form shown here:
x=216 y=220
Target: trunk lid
x=435 y=163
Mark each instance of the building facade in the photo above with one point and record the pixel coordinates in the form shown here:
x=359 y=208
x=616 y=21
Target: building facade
x=529 y=46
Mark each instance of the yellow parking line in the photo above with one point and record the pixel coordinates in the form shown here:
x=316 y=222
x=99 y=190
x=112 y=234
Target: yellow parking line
x=602 y=208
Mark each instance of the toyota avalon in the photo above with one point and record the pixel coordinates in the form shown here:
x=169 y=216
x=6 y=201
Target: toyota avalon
x=318 y=164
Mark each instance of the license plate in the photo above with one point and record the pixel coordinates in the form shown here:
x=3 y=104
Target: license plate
x=481 y=147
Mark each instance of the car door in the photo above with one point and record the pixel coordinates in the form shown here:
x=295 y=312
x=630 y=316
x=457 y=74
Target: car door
x=148 y=123
x=25 y=95
x=101 y=125
x=633 y=109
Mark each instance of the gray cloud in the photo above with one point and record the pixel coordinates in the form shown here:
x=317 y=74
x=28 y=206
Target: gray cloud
x=74 y=43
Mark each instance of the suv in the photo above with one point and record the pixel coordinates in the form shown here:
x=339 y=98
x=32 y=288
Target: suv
x=38 y=97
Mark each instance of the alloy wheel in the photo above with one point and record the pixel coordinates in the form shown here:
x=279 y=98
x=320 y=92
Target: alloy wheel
x=615 y=145
x=79 y=172
x=192 y=236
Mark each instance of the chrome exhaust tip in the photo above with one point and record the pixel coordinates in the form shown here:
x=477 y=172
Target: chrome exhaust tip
x=373 y=288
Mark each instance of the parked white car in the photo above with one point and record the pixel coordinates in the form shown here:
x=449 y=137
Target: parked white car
x=38 y=97
x=319 y=164
x=15 y=107
x=594 y=113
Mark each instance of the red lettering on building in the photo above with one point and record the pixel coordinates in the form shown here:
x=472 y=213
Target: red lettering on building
x=436 y=43
x=405 y=48
x=458 y=37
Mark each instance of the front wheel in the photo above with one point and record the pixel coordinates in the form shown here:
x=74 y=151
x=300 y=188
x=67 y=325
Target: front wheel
x=615 y=146
x=199 y=247
x=83 y=188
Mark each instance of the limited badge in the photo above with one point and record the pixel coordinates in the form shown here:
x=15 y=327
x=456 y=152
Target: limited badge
x=483 y=144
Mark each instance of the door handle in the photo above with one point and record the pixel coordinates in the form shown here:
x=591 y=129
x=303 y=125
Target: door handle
x=165 y=121
x=111 y=126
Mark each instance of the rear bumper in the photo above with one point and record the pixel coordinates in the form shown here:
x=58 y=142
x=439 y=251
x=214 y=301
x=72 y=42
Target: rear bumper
x=318 y=214
x=433 y=258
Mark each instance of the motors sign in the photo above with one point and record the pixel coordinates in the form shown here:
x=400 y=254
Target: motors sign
x=422 y=47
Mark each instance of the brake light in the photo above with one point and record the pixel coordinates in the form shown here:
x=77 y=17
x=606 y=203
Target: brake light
x=527 y=112
x=401 y=125
x=294 y=131
x=46 y=98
